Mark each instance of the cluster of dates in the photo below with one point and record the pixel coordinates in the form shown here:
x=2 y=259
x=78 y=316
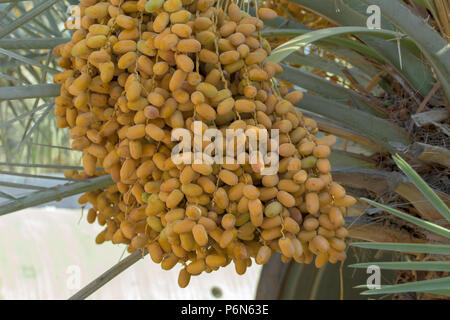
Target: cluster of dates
x=137 y=70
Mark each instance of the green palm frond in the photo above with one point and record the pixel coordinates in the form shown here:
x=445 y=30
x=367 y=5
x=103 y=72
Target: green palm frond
x=440 y=285
x=423 y=187
x=405 y=247
x=405 y=61
x=406 y=52
x=55 y=193
x=436 y=286
x=408 y=265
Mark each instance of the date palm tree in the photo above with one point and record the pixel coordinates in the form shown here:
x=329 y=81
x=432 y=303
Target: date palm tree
x=381 y=91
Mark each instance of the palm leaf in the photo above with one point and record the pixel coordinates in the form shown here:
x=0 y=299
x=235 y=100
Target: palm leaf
x=21 y=186
x=407 y=265
x=11 y=1
x=416 y=286
x=432 y=45
x=423 y=187
x=292 y=45
x=340 y=159
x=26 y=17
x=55 y=193
x=325 y=88
x=330 y=40
x=418 y=222
x=380 y=130
x=34 y=176
x=23 y=115
x=40 y=165
x=27 y=134
x=26 y=60
x=435 y=286
x=32 y=43
x=313 y=60
x=406 y=63
x=30 y=91
x=405 y=247
x=109 y=274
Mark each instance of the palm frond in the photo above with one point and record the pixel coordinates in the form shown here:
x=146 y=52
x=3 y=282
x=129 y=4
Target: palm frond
x=55 y=193
x=405 y=247
x=434 y=285
x=27 y=17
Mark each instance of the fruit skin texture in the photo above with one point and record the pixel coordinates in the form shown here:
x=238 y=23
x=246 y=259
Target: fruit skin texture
x=137 y=71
